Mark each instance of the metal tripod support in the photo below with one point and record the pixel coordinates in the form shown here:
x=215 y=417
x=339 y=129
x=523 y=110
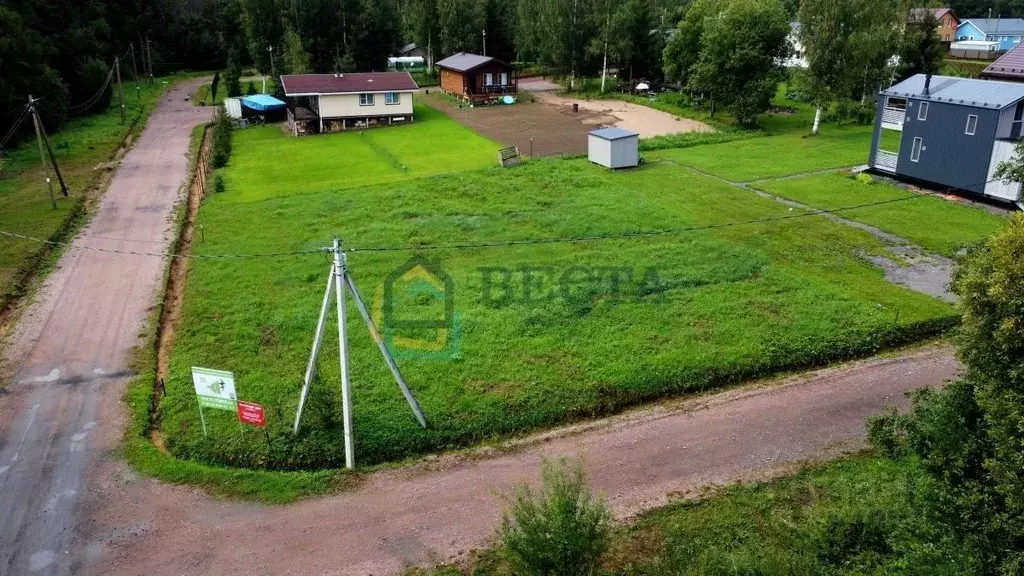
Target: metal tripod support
x=337 y=281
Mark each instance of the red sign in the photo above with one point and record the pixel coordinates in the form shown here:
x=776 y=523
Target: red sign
x=251 y=413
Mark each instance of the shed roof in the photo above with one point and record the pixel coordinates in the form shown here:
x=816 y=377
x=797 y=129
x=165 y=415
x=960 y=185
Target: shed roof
x=966 y=91
x=612 y=133
x=1009 y=65
x=998 y=25
x=295 y=84
x=464 y=61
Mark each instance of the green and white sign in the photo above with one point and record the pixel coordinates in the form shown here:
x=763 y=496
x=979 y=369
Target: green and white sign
x=215 y=389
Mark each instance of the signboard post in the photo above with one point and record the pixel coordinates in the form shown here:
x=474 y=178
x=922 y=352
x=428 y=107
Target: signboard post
x=251 y=413
x=214 y=389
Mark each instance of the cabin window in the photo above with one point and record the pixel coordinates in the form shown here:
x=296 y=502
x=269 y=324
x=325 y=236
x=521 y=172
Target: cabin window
x=922 y=111
x=391 y=98
x=972 y=124
x=488 y=79
x=915 y=150
x=504 y=78
x=366 y=99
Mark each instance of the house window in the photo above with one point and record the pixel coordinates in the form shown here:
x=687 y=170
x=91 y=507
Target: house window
x=972 y=124
x=488 y=79
x=896 y=103
x=504 y=78
x=1018 y=121
x=915 y=150
x=366 y=99
x=391 y=98
x=922 y=111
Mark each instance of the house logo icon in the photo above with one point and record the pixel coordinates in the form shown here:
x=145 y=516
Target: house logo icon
x=415 y=309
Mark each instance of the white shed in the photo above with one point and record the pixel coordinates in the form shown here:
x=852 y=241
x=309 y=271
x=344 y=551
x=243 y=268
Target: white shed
x=233 y=106
x=614 y=147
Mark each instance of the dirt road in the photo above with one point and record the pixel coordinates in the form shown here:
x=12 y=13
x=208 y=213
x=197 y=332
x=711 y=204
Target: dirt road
x=647 y=122
x=72 y=345
x=442 y=508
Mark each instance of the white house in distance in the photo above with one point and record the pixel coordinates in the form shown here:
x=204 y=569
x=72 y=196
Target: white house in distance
x=797 y=58
x=332 y=102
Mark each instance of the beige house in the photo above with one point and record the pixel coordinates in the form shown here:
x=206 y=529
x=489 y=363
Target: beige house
x=332 y=102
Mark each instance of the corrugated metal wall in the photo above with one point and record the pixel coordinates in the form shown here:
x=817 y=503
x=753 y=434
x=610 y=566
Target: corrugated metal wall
x=949 y=157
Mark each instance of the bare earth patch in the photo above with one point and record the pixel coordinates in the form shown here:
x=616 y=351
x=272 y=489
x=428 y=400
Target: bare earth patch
x=647 y=122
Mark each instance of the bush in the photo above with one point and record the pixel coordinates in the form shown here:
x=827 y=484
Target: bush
x=563 y=530
x=218 y=183
x=251 y=89
x=864 y=178
x=222 y=127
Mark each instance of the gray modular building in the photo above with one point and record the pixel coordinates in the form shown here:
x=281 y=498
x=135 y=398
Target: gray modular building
x=949 y=132
x=613 y=147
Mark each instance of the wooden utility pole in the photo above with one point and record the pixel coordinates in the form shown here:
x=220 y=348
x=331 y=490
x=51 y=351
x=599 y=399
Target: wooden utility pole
x=120 y=90
x=42 y=150
x=135 y=67
x=149 y=59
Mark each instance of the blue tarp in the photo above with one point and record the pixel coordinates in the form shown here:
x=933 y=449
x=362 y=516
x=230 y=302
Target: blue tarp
x=262 y=103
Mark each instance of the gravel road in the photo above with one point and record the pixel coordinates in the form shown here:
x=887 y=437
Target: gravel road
x=441 y=508
x=71 y=347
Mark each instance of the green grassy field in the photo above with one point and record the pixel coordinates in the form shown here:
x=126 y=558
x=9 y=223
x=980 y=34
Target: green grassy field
x=80 y=146
x=722 y=305
x=845 y=517
x=928 y=221
x=773 y=156
x=269 y=162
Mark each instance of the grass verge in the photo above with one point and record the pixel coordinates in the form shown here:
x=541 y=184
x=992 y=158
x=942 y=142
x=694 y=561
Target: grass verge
x=842 y=517
x=931 y=222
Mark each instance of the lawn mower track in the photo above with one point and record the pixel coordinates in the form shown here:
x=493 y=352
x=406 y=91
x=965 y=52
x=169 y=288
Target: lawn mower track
x=441 y=508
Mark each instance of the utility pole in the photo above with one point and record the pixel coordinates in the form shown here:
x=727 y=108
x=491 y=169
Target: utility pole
x=337 y=280
x=485 y=41
x=120 y=89
x=135 y=67
x=42 y=151
x=149 y=59
x=346 y=385
x=271 y=50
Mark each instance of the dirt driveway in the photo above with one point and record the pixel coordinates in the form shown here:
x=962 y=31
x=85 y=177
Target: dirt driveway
x=442 y=507
x=549 y=127
x=72 y=346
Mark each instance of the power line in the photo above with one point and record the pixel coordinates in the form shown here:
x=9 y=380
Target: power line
x=14 y=127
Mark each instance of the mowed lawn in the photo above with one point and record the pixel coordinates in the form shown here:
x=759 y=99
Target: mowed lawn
x=544 y=335
x=268 y=162
x=931 y=222
x=773 y=156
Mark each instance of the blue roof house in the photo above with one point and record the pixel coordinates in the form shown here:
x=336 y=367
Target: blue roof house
x=949 y=133
x=1008 y=32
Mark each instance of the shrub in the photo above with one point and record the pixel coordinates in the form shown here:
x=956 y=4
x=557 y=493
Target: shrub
x=864 y=178
x=251 y=89
x=218 y=183
x=562 y=530
x=222 y=127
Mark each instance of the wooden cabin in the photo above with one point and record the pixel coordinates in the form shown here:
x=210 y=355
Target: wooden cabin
x=478 y=79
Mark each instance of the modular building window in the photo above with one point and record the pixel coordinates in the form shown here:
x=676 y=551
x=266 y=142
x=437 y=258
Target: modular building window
x=922 y=111
x=972 y=124
x=915 y=151
x=366 y=99
x=391 y=98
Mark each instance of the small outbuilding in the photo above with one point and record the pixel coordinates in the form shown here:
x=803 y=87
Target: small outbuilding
x=614 y=147
x=478 y=79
